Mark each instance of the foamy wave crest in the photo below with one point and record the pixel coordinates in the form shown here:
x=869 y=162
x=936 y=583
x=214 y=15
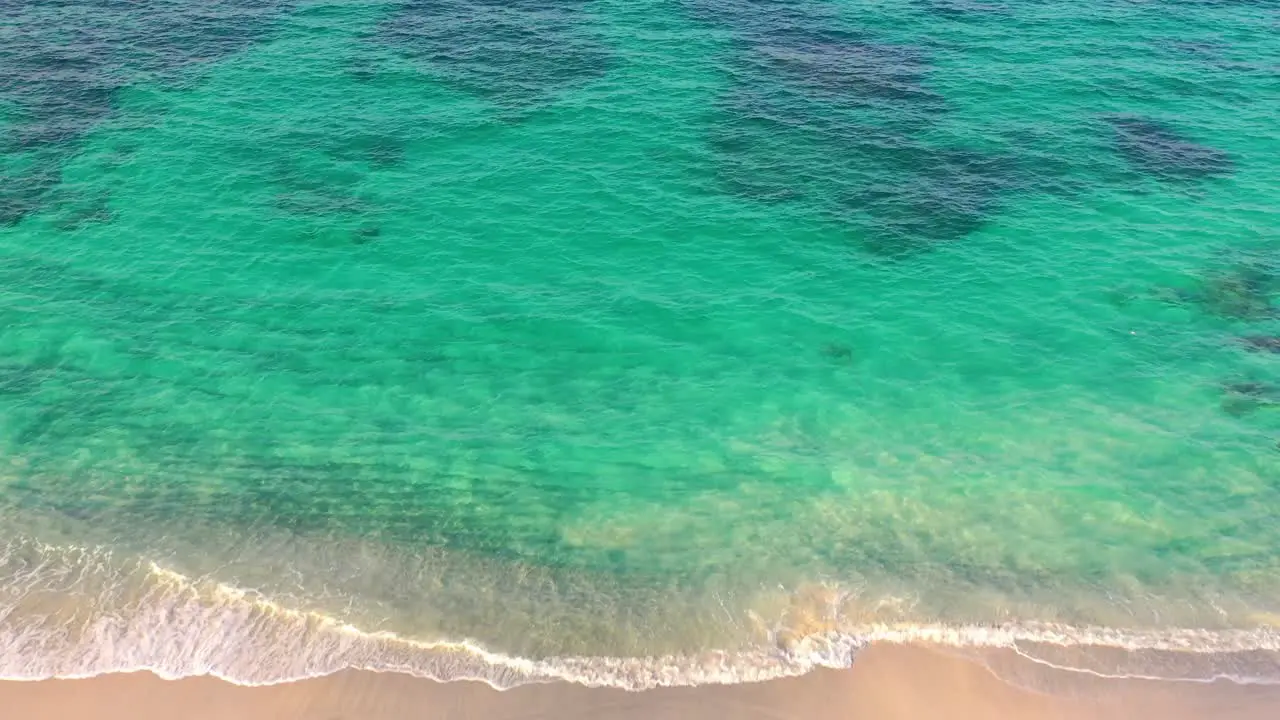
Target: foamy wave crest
x=77 y=612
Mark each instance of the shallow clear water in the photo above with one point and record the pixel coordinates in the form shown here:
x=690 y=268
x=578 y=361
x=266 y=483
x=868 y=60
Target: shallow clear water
x=604 y=335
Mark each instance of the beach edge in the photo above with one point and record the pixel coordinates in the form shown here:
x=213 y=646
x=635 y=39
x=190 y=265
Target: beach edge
x=888 y=682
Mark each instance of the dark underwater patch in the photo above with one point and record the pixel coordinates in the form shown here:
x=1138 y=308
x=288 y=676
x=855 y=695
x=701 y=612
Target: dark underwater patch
x=947 y=195
x=60 y=74
x=1157 y=150
x=838 y=353
x=826 y=114
x=844 y=68
x=1244 y=397
x=366 y=234
x=807 y=47
x=1261 y=343
x=1241 y=286
x=516 y=53
x=823 y=111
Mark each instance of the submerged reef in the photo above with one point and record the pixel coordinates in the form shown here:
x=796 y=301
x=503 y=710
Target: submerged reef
x=1241 y=398
x=1261 y=343
x=1243 y=289
x=1157 y=150
x=517 y=53
x=825 y=113
x=61 y=73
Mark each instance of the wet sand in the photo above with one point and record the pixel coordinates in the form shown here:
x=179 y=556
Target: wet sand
x=887 y=683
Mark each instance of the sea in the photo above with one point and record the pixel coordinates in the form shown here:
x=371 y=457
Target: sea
x=638 y=343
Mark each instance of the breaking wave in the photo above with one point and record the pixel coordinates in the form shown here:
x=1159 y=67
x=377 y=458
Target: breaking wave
x=69 y=612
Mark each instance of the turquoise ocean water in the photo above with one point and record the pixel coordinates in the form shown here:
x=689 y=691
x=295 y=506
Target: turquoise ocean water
x=637 y=343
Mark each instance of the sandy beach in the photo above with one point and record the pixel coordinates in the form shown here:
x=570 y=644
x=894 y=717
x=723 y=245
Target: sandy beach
x=887 y=683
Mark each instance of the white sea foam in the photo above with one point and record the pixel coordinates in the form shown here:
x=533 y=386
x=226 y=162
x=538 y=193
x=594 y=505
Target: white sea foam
x=78 y=612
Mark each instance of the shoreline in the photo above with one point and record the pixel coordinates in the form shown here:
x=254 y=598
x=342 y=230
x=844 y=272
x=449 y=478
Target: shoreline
x=887 y=682
x=126 y=615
